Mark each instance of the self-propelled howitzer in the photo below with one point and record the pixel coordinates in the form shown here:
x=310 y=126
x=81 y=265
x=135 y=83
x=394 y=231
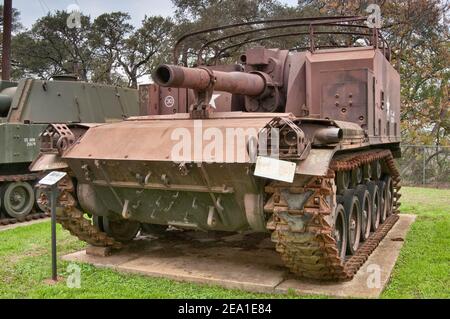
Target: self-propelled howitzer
x=297 y=144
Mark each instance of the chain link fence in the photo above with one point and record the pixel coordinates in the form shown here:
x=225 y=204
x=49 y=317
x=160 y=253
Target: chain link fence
x=423 y=165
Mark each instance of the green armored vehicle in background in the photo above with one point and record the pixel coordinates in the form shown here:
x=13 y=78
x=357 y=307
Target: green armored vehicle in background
x=26 y=109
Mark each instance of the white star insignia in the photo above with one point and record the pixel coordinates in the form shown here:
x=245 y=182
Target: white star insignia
x=213 y=100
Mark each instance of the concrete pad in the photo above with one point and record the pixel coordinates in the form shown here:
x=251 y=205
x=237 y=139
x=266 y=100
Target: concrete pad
x=113 y=261
x=99 y=251
x=246 y=262
x=25 y=224
x=230 y=267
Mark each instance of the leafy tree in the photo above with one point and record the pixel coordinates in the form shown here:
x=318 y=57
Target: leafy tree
x=16 y=25
x=108 y=41
x=51 y=47
x=193 y=15
x=120 y=48
x=216 y=12
x=145 y=48
x=108 y=50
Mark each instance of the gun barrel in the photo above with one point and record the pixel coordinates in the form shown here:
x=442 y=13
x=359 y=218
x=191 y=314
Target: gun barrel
x=201 y=79
x=6 y=97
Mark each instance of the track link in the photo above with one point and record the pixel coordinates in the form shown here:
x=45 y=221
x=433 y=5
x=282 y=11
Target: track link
x=36 y=216
x=311 y=251
x=19 y=178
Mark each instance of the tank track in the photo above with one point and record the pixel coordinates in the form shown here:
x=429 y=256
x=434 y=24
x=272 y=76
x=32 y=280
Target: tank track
x=28 y=218
x=312 y=252
x=72 y=219
x=34 y=215
x=69 y=214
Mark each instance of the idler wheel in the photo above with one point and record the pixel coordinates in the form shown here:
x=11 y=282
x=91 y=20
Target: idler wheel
x=121 y=230
x=353 y=216
x=366 y=211
x=376 y=205
x=17 y=199
x=41 y=200
x=340 y=231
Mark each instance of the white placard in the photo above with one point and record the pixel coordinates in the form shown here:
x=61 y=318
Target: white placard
x=275 y=169
x=53 y=178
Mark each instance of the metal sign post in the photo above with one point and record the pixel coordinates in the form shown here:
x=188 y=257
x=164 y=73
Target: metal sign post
x=51 y=182
x=53 y=199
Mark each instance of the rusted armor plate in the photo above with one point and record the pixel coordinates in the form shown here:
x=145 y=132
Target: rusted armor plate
x=155 y=140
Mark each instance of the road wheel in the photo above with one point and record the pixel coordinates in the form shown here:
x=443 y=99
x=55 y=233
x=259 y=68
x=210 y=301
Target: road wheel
x=353 y=216
x=121 y=230
x=367 y=171
x=357 y=177
x=383 y=206
x=340 y=231
x=389 y=195
x=376 y=170
x=342 y=181
x=366 y=211
x=376 y=205
x=18 y=199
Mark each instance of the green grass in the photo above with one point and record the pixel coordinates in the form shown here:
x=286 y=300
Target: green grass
x=422 y=270
x=24 y=256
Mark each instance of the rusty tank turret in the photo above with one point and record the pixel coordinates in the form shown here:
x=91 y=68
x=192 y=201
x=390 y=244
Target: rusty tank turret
x=297 y=143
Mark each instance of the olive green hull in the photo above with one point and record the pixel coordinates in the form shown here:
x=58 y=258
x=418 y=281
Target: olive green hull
x=36 y=103
x=19 y=143
x=26 y=109
x=171 y=198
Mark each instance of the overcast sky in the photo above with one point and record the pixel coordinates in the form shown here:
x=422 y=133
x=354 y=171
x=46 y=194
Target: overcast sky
x=31 y=10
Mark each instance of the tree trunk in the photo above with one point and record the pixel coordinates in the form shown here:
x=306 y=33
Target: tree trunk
x=133 y=82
